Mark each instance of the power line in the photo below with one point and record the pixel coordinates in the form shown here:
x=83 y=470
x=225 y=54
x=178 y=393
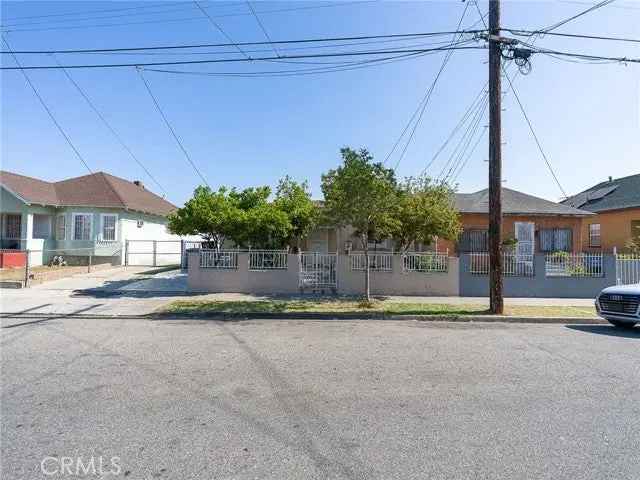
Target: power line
x=264 y=30
x=178 y=20
x=111 y=129
x=578 y=15
x=235 y=60
x=42 y=102
x=175 y=136
x=429 y=92
x=530 y=33
x=233 y=44
x=535 y=137
x=219 y=28
x=581 y=55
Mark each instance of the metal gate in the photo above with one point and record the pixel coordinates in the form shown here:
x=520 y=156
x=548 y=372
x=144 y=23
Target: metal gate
x=318 y=271
x=627 y=269
x=153 y=253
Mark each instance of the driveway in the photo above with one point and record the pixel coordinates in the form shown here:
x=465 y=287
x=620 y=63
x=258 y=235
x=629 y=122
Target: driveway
x=121 y=291
x=177 y=399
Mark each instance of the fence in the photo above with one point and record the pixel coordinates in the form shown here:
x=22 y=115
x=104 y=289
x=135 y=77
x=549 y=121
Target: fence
x=268 y=259
x=562 y=264
x=378 y=262
x=153 y=253
x=317 y=270
x=627 y=269
x=425 y=262
x=188 y=245
x=222 y=259
x=512 y=264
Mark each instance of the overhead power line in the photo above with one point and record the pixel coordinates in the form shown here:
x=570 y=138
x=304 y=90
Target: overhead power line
x=530 y=33
x=241 y=60
x=219 y=28
x=264 y=30
x=173 y=132
x=49 y=112
x=242 y=44
x=111 y=129
x=604 y=3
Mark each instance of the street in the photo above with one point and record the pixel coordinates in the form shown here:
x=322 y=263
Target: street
x=205 y=399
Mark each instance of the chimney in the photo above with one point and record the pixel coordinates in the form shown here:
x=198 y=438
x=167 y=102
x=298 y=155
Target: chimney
x=610 y=179
x=138 y=183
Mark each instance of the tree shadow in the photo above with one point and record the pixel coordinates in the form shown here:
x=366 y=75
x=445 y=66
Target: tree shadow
x=608 y=330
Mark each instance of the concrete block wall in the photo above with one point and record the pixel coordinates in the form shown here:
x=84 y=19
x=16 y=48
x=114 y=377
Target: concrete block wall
x=538 y=285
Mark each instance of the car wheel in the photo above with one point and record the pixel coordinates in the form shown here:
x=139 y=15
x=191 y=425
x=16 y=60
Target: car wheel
x=618 y=323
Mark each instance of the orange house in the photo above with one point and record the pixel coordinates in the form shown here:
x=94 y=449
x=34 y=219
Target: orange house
x=537 y=224
x=615 y=204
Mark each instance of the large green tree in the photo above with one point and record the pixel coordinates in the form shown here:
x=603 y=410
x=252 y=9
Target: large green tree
x=294 y=199
x=426 y=210
x=362 y=194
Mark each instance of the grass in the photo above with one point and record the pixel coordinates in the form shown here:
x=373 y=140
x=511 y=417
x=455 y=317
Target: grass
x=330 y=306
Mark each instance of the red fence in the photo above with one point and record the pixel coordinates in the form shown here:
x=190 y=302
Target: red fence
x=12 y=258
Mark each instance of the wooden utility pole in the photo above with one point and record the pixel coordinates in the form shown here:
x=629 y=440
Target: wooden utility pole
x=496 y=303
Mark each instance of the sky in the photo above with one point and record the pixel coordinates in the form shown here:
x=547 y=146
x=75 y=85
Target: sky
x=244 y=132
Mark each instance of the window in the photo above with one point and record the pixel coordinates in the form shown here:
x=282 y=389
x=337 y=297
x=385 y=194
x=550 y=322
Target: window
x=13 y=226
x=594 y=235
x=556 y=240
x=635 y=230
x=41 y=226
x=109 y=227
x=82 y=226
x=61 y=227
x=474 y=240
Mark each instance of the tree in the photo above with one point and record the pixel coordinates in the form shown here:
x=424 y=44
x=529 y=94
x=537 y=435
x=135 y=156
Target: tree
x=362 y=194
x=426 y=210
x=294 y=199
x=212 y=215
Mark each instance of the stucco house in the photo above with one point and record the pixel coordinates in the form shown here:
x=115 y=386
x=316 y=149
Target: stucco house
x=615 y=204
x=539 y=225
x=89 y=215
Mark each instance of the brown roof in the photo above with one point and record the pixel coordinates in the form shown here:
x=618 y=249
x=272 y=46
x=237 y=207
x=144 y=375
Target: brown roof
x=95 y=190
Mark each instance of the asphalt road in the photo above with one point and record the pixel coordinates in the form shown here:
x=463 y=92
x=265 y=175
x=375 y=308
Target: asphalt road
x=312 y=399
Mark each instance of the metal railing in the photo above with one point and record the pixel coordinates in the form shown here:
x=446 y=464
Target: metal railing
x=317 y=270
x=563 y=264
x=222 y=259
x=425 y=262
x=268 y=260
x=378 y=262
x=627 y=269
x=513 y=264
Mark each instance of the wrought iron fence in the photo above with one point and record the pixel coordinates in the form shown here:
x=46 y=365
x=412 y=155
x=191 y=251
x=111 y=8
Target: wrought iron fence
x=563 y=264
x=627 y=269
x=268 y=259
x=513 y=264
x=425 y=262
x=317 y=270
x=223 y=259
x=378 y=262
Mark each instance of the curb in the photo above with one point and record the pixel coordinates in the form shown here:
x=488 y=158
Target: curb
x=316 y=316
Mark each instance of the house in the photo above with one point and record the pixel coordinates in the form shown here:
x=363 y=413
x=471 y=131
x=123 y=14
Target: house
x=616 y=205
x=539 y=225
x=89 y=215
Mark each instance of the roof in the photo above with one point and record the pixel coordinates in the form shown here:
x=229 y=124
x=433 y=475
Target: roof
x=613 y=194
x=95 y=190
x=514 y=203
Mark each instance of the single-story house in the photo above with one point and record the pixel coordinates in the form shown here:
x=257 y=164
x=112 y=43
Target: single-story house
x=89 y=215
x=615 y=204
x=539 y=225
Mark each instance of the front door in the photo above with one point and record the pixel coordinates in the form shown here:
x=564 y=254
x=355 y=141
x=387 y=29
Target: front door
x=525 y=234
x=319 y=241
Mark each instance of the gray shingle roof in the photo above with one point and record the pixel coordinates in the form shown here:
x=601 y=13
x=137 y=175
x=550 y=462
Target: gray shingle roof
x=95 y=190
x=610 y=195
x=514 y=203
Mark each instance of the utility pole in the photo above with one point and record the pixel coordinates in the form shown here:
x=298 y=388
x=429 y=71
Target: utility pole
x=496 y=302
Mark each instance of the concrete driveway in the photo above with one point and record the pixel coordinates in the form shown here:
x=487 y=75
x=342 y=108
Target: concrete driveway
x=178 y=399
x=121 y=291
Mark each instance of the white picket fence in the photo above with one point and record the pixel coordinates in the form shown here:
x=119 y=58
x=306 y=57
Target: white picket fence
x=268 y=260
x=425 y=262
x=512 y=264
x=627 y=269
x=565 y=264
x=378 y=262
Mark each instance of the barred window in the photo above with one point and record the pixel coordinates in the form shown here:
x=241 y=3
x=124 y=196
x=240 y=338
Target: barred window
x=13 y=226
x=109 y=227
x=556 y=240
x=594 y=235
x=82 y=226
x=61 y=227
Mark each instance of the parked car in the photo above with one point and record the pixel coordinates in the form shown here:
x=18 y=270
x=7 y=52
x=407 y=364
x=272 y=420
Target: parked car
x=620 y=305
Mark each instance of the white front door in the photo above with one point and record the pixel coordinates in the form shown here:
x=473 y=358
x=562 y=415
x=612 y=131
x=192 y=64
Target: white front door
x=525 y=234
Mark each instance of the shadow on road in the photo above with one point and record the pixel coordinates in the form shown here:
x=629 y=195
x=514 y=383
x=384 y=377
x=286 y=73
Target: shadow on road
x=609 y=330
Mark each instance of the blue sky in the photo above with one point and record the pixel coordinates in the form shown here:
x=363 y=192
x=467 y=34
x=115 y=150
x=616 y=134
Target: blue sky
x=252 y=131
